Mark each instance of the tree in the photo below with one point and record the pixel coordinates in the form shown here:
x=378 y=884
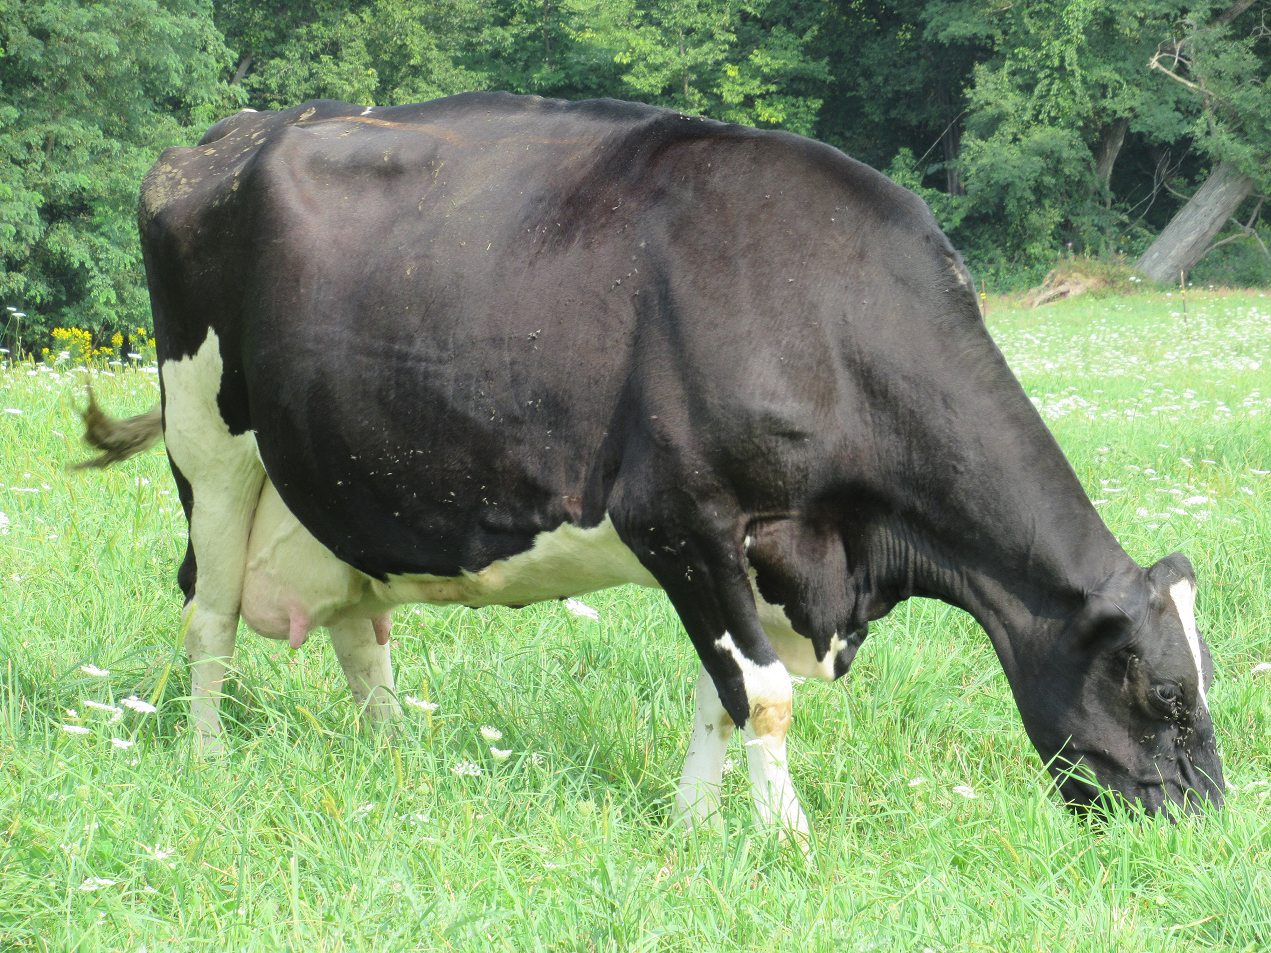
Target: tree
x=1224 y=64
x=1048 y=111
x=89 y=94
x=383 y=52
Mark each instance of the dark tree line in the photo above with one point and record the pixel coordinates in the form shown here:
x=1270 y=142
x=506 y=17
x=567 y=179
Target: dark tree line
x=1034 y=128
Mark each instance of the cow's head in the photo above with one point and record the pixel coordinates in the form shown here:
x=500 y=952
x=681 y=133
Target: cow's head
x=1123 y=703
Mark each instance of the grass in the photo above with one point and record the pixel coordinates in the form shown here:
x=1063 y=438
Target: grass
x=311 y=836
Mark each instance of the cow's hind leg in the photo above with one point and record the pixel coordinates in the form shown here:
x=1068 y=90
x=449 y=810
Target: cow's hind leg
x=362 y=647
x=219 y=525
x=220 y=476
x=698 y=795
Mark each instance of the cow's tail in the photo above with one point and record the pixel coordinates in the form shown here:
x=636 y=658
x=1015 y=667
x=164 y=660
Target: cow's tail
x=118 y=439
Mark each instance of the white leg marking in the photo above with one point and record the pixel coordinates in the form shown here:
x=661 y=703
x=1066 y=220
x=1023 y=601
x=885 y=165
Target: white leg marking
x=775 y=800
x=225 y=476
x=367 y=666
x=1184 y=595
x=770 y=695
x=698 y=795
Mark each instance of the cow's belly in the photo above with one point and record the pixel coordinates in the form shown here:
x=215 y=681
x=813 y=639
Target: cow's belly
x=567 y=561
x=293 y=584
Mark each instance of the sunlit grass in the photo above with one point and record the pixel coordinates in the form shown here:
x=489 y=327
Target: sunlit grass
x=934 y=826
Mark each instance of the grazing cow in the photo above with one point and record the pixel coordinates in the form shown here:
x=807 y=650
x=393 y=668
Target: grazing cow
x=492 y=350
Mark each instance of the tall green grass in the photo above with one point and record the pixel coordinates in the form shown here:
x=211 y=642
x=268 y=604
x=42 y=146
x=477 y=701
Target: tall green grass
x=309 y=835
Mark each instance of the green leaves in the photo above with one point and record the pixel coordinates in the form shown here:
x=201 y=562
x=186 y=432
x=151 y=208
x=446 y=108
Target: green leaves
x=89 y=94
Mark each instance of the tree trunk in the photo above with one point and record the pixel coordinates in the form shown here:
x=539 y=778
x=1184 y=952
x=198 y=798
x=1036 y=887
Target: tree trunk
x=1188 y=235
x=1109 y=148
x=951 y=141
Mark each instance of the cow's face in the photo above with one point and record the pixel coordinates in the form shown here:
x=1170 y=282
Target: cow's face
x=1126 y=708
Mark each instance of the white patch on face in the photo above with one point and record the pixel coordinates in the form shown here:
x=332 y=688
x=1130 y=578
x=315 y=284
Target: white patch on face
x=766 y=685
x=1184 y=595
x=794 y=650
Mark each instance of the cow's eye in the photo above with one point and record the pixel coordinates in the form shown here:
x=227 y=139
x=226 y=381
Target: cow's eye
x=1167 y=697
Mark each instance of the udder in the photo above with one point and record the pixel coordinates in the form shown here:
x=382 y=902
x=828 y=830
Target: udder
x=293 y=584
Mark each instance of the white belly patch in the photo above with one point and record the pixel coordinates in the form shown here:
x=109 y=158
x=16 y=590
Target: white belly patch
x=291 y=579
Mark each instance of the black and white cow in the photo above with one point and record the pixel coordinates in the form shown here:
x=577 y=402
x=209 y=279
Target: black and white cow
x=493 y=350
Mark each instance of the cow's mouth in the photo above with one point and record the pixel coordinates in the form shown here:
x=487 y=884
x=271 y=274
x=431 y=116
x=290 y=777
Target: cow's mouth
x=1192 y=792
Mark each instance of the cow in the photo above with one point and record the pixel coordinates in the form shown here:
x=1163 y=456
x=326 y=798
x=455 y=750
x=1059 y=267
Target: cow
x=495 y=350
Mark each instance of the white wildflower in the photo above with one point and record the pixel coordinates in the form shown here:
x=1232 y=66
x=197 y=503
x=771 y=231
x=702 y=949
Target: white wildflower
x=490 y=733
x=729 y=766
x=94 y=671
x=95 y=883
x=965 y=790
x=362 y=810
x=500 y=754
x=1262 y=667
x=136 y=704
x=75 y=729
x=5 y=523
x=419 y=703
x=582 y=609
x=914 y=782
x=122 y=743
x=100 y=706
x=537 y=759
x=12 y=410
x=466 y=767
x=1195 y=500
x=72 y=713
x=158 y=853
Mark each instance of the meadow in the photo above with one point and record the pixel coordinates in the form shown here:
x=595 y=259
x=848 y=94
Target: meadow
x=523 y=803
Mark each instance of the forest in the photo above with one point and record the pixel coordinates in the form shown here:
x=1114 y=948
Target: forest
x=1134 y=131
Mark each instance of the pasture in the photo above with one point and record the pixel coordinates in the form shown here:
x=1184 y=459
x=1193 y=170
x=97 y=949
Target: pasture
x=523 y=803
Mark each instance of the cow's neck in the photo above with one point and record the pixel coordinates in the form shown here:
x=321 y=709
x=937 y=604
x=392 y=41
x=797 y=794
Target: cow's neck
x=1021 y=562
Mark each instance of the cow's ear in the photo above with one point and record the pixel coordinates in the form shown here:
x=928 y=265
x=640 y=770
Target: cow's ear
x=1169 y=570
x=1104 y=625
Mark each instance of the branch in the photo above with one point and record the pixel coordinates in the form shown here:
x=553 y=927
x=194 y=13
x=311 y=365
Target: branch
x=1233 y=11
x=1155 y=63
x=1246 y=231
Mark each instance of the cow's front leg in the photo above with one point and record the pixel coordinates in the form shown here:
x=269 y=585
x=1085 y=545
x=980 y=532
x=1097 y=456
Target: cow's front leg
x=698 y=796
x=362 y=647
x=705 y=576
x=775 y=801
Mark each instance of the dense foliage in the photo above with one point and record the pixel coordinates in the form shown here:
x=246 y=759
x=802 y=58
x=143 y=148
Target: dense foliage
x=1033 y=128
